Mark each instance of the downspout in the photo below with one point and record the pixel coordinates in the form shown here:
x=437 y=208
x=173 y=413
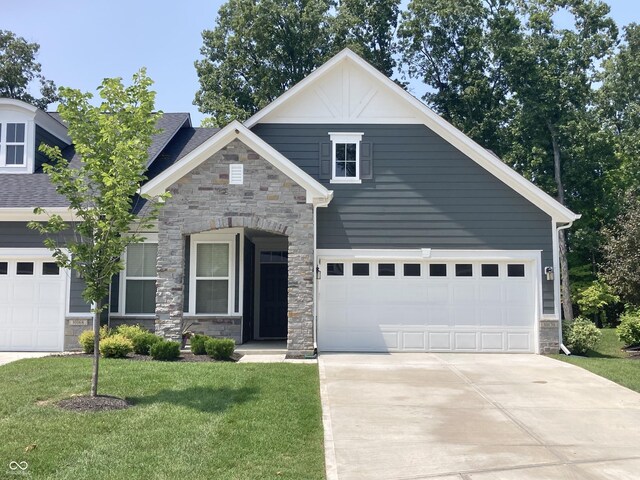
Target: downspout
x=563 y=347
x=315 y=268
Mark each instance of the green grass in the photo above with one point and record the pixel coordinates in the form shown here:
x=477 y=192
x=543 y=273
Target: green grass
x=609 y=360
x=189 y=420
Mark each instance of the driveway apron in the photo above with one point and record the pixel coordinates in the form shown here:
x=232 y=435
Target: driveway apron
x=475 y=417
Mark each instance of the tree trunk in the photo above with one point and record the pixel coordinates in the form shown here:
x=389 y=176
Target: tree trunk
x=567 y=306
x=96 y=348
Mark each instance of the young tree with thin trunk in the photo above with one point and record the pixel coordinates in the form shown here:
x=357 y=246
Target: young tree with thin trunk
x=111 y=141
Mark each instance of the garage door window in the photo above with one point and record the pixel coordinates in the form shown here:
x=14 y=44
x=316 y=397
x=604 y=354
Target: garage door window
x=515 y=270
x=360 y=270
x=4 y=268
x=411 y=269
x=24 y=268
x=438 y=270
x=489 y=269
x=140 y=289
x=386 y=270
x=335 y=269
x=50 y=268
x=464 y=270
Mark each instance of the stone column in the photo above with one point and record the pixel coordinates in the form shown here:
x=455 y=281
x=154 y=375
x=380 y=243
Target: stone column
x=170 y=289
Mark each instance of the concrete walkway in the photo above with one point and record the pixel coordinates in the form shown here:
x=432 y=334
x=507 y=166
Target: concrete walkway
x=475 y=417
x=8 y=357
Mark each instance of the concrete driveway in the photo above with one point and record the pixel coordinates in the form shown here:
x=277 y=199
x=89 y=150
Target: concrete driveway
x=8 y=357
x=475 y=417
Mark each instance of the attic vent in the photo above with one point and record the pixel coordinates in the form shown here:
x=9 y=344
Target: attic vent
x=236 y=174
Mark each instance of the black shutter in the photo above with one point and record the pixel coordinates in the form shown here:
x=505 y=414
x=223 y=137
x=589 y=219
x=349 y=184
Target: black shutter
x=366 y=161
x=325 y=161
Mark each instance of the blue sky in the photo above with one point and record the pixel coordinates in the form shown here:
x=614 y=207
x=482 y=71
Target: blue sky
x=84 y=41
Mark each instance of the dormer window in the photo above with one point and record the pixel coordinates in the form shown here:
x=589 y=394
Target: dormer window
x=345 y=148
x=12 y=143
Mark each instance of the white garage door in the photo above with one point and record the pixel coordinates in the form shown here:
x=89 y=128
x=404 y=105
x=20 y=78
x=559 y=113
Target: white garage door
x=463 y=306
x=32 y=294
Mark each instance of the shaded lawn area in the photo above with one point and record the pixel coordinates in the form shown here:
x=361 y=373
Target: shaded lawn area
x=189 y=420
x=610 y=361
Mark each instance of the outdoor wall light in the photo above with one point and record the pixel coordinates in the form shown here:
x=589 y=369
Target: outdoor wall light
x=548 y=271
x=318 y=273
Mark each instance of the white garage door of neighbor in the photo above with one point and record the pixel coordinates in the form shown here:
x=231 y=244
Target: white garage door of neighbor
x=32 y=296
x=465 y=306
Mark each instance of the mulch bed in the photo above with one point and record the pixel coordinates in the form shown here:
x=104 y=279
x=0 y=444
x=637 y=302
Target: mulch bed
x=634 y=353
x=100 y=403
x=186 y=357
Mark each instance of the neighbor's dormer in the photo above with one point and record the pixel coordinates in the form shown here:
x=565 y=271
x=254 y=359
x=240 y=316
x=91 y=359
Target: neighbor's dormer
x=22 y=128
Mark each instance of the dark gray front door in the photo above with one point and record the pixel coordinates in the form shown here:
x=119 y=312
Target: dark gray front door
x=273 y=300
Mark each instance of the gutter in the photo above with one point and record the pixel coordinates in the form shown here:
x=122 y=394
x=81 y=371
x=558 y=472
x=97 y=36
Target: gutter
x=563 y=347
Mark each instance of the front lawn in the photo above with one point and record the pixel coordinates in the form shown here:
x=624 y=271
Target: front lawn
x=610 y=361
x=189 y=420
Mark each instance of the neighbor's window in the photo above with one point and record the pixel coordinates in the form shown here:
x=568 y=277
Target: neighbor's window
x=140 y=278
x=14 y=144
x=213 y=277
x=345 y=157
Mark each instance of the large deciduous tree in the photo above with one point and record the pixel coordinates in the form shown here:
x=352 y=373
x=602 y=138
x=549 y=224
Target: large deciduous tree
x=111 y=141
x=19 y=68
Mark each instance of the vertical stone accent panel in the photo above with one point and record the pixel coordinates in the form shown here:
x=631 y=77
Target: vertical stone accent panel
x=203 y=201
x=74 y=326
x=549 y=341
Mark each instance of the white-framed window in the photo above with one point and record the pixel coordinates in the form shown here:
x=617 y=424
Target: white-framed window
x=140 y=277
x=345 y=157
x=13 y=148
x=212 y=272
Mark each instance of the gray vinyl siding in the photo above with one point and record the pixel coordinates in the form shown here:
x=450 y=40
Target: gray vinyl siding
x=424 y=194
x=42 y=136
x=19 y=235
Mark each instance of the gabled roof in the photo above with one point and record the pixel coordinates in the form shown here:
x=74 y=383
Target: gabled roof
x=316 y=193
x=412 y=111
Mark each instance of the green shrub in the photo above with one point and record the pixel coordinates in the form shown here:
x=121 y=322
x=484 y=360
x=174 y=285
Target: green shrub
x=115 y=346
x=165 y=350
x=143 y=342
x=219 y=348
x=85 y=339
x=629 y=329
x=197 y=344
x=580 y=335
x=130 y=331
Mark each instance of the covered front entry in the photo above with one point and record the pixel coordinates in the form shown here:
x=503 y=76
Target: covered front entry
x=467 y=305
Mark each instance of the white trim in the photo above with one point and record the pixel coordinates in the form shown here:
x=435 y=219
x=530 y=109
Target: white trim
x=236 y=131
x=122 y=282
x=440 y=126
x=263 y=244
x=215 y=238
x=345 y=137
x=25 y=214
x=431 y=254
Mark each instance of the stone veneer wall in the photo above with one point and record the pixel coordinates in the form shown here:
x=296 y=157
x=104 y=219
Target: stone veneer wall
x=268 y=200
x=548 y=340
x=74 y=326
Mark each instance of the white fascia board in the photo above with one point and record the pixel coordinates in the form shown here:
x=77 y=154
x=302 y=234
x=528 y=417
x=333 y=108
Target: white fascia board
x=27 y=215
x=316 y=193
x=41 y=118
x=428 y=254
x=441 y=127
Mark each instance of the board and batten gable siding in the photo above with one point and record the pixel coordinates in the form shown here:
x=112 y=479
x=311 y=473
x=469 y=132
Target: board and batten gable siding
x=424 y=193
x=19 y=235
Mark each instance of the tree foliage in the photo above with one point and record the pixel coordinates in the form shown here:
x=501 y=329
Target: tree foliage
x=621 y=267
x=111 y=140
x=18 y=69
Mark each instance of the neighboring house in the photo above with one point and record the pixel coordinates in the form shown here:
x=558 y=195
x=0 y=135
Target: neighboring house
x=345 y=215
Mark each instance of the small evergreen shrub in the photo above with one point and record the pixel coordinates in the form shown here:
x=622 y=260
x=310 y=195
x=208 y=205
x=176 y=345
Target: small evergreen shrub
x=85 y=339
x=629 y=329
x=581 y=335
x=142 y=342
x=115 y=346
x=165 y=350
x=197 y=344
x=220 y=348
x=130 y=331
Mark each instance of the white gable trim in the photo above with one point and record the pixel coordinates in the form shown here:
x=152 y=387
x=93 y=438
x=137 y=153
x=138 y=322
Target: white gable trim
x=316 y=193
x=440 y=126
x=25 y=214
x=40 y=117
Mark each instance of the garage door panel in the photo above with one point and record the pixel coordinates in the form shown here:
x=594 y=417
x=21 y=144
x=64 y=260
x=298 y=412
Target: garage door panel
x=438 y=293
x=519 y=341
x=489 y=292
x=438 y=316
x=414 y=341
x=491 y=316
x=465 y=341
x=440 y=341
x=492 y=341
x=31 y=308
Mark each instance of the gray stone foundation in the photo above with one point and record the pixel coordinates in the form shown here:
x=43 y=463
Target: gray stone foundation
x=548 y=338
x=227 y=327
x=74 y=326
